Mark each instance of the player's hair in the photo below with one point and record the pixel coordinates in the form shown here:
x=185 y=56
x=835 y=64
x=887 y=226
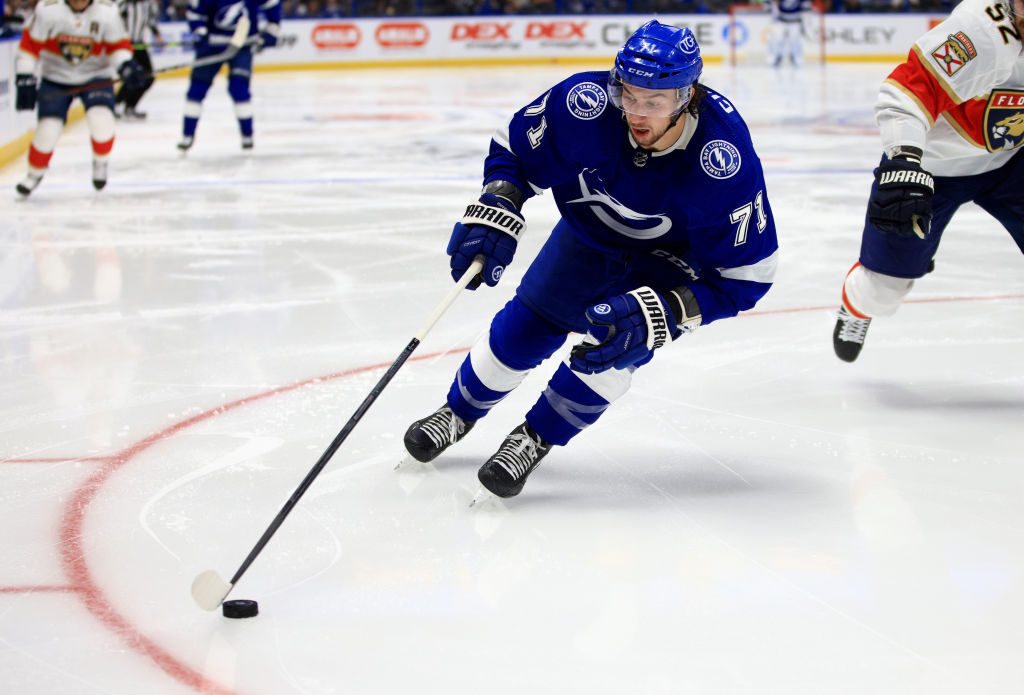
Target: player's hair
x=697 y=100
x=1011 y=11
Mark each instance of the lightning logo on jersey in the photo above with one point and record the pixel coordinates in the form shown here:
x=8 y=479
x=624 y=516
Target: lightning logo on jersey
x=720 y=159
x=586 y=100
x=228 y=16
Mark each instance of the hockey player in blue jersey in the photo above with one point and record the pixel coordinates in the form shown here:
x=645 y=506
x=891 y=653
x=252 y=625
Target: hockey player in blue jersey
x=665 y=226
x=212 y=23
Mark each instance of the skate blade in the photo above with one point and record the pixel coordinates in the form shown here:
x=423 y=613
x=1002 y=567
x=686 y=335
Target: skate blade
x=483 y=498
x=406 y=461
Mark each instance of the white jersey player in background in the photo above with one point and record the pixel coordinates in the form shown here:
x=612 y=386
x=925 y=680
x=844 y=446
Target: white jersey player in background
x=952 y=125
x=787 y=32
x=75 y=45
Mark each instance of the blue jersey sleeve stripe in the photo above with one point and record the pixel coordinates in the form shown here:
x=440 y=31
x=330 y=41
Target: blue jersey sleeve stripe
x=763 y=271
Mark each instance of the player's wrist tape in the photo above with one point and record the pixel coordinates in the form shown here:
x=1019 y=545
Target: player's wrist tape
x=685 y=308
x=507 y=190
x=658 y=332
x=908 y=152
x=495 y=217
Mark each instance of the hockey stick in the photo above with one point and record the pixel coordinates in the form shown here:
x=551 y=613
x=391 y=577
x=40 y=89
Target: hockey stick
x=238 y=40
x=163 y=44
x=208 y=589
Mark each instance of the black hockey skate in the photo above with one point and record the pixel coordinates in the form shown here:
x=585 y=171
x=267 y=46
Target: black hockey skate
x=29 y=183
x=99 y=174
x=427 y=438
x=506 y=471
x=848 y=336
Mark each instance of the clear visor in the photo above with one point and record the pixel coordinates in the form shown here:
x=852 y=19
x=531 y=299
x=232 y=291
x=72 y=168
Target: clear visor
x=653 y=103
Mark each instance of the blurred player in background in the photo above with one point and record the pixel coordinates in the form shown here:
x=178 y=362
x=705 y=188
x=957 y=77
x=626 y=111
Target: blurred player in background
x=140 y=19
x=212 y=23
x=952 y=123
x=75 y=45
x=665 y=227
x=787 y=32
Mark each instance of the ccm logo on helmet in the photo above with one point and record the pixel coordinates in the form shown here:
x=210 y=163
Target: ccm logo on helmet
x=641 y=73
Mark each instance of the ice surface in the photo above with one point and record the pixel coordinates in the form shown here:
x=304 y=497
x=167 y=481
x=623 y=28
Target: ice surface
x=754 y=517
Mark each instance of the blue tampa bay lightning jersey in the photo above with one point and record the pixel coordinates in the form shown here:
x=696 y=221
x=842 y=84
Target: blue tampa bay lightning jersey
x=701 y=203
x=219 y=18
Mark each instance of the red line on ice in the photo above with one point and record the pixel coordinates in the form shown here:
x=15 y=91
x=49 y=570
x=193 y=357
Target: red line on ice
x=104 y=608
x=72 y=552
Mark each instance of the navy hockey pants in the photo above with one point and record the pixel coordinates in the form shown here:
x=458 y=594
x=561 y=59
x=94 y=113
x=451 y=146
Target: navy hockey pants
x=53 y=106
x=997 y=192
x=566 y=278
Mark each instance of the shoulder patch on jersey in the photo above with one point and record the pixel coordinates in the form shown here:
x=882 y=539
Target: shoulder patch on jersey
x=1004 y=120
x=720 y=159
x=954 y=53
x=586 y=100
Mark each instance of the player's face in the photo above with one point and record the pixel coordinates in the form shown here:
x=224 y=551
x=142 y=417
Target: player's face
x=649 y=114
x=656 y=103
x=78 y=5
x=648 y=132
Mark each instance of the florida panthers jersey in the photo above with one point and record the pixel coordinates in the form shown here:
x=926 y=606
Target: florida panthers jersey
x=702 y=203
x=218 y=19
x=960 y=94
x=73 y=48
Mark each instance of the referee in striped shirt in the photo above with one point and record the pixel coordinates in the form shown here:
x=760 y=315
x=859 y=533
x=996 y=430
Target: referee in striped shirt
x=138 y=16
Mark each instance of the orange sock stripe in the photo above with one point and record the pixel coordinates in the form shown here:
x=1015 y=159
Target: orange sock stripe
x=102 y=148
x=37 y=159
x=846 y=300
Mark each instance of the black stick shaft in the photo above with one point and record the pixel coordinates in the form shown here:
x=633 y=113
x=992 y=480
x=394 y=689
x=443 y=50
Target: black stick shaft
x=325 y=457
x=473 y=270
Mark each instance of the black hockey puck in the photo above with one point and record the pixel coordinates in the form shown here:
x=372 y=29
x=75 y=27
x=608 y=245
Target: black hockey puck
x=241 y=608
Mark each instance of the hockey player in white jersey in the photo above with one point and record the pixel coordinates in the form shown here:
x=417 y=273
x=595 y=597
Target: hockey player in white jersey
x=952 y=125
x=76 y=45
x=787 y=32
x=665 y=226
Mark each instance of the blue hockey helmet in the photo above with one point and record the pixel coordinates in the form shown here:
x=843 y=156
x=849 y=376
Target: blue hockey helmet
x=657 y=56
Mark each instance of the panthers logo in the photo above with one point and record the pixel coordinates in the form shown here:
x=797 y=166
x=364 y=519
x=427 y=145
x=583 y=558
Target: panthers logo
x=75 y=49
x=1004 y=120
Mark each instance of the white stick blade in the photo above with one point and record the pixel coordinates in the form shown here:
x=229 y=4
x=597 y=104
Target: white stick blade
x=241 y=34
x=209 y=590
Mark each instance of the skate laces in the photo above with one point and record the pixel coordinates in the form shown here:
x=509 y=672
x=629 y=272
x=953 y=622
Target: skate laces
x=443 y=427
x=852 y=329
x=518 y=454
